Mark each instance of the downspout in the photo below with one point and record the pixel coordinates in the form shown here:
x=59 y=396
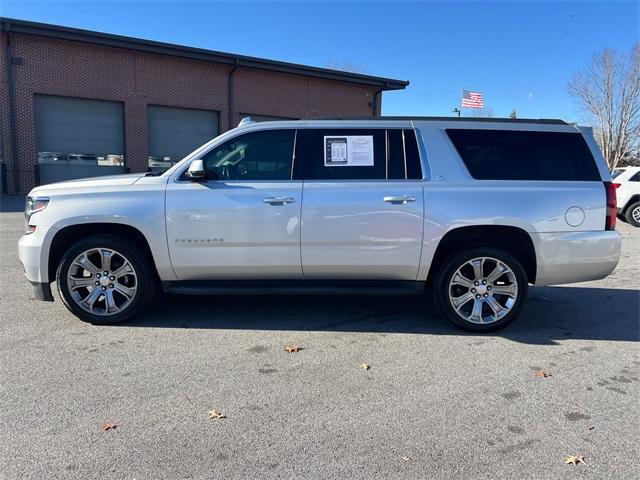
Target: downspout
x=12 y=108
x=231 y=91
x=375 y=102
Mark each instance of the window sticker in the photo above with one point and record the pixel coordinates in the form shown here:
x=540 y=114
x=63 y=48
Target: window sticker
x=348 y=151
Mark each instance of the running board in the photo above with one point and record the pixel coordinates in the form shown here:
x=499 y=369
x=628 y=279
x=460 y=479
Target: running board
x=294 y=287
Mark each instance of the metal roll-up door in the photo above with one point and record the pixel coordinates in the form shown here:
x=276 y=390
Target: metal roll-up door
x=78 y=138
x=175 y=132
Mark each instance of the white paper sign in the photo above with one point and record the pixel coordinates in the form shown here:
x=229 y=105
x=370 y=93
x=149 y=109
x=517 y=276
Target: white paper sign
x=348 y=151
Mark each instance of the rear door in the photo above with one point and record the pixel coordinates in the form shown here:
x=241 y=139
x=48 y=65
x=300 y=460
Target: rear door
x=362 y=206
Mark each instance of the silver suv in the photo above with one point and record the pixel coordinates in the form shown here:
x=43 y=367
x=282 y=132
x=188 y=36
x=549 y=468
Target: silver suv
x=471 y=210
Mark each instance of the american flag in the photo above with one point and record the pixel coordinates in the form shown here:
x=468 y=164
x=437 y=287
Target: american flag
x=472 y=99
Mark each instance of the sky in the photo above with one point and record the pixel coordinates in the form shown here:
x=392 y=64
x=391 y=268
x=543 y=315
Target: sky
x=520 y=54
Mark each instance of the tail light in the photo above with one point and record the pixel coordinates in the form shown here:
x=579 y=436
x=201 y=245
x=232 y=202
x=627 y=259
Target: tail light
x=612 y=205
x=617 y=185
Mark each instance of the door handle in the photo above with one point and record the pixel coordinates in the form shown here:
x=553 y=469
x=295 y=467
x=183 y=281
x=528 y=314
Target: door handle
x=400 y=199
x=279 y=200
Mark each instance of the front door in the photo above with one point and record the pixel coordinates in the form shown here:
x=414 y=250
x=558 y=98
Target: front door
x=244 y=220
x=362 y=209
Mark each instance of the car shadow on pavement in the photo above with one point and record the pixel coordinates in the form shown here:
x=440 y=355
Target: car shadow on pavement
x=551 y=314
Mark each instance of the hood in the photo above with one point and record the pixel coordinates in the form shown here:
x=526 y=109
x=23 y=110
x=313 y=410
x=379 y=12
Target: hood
x=93 y=182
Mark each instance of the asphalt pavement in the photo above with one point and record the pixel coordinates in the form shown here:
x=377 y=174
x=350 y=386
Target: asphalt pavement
x=435 y=403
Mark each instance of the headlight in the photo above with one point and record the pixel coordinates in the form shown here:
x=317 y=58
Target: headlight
x=33 y=205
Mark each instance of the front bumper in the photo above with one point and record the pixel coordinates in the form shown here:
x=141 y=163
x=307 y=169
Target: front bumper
x=42 y=291
x=33 y=258
x=571 y=257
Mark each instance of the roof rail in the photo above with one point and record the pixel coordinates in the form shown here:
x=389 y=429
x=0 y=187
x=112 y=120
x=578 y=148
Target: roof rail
x=550 y=121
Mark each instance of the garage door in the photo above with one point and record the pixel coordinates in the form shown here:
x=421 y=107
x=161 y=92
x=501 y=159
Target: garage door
x=78 y=138
x=175 y=132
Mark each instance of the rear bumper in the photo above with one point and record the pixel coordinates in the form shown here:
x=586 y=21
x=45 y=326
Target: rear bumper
x=572 y=257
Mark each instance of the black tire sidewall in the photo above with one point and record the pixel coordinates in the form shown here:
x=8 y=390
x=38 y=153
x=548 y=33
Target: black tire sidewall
x=447 y=271
x=145 y=278
x=628 y=214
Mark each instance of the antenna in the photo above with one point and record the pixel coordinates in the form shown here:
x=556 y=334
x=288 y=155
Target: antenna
x=245 y=121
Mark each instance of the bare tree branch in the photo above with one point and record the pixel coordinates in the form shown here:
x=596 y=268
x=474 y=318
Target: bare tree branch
x=609 y=92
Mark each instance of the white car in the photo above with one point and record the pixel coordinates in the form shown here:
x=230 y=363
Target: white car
x=471 y=210
x=627 y=183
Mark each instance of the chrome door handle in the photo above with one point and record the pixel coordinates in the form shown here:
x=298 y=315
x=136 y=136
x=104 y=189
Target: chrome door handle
x=400 y=200
x=279 y=200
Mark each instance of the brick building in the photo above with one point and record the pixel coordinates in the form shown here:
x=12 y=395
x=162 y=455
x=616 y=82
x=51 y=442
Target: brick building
x=77 y=103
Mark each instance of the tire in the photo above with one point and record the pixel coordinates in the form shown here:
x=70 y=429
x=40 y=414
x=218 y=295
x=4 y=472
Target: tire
x=129 y=287
x=632 y=214
x=480 y=308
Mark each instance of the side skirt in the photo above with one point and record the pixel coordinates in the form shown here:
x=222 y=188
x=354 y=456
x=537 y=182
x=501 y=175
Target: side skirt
x=294 y=287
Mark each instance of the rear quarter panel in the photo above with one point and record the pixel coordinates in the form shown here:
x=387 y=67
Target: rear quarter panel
x=454 y=199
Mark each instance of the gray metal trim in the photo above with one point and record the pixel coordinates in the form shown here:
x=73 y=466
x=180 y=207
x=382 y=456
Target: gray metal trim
x=295 y=287
x=150 y=46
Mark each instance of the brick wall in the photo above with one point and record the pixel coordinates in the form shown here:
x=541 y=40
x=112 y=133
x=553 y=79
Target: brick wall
x=77 y=69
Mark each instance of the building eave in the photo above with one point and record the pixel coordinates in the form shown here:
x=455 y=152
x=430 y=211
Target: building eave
x=161 y=48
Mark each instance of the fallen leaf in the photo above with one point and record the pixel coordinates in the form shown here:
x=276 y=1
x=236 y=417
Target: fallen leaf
x=365 y=366
x=108 y=426
x=542 y=373
x=216 y=414
x=292 y=349
x=591 y=428
x=575 y=459
x=407 y=459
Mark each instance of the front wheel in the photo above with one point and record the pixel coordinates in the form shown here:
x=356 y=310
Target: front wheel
x=103 y=280
x=632 y=214
x=481 y=290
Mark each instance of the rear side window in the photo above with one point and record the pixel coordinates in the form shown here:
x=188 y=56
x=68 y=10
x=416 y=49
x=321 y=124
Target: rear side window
x=346 y=154
x=522 y=155
x=362 y=154
x=635 y=178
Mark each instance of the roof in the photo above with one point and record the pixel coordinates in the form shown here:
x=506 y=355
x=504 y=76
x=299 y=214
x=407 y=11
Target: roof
x=151 y=46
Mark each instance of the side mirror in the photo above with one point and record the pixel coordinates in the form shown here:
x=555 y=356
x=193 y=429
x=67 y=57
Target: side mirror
x=196 y=171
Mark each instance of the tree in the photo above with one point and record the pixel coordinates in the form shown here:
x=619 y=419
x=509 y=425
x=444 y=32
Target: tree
x=484 y=112
x=346 y=66
x=513 y=114
x=609 y=92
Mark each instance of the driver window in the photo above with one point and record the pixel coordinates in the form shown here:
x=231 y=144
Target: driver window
x=261 y=155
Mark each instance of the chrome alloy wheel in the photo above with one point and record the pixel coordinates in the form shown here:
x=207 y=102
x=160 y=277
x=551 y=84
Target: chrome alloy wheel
x=483 y=290
x=102 y=281
x=635 y=214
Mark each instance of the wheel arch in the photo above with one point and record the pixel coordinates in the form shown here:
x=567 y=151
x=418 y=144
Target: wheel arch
x=67 y=236
x=513 y=240
x=634 y=198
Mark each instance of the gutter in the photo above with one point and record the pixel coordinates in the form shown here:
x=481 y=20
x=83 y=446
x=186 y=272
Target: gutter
x=231 y=96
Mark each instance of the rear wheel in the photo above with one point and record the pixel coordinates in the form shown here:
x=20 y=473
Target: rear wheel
x=104 y=280
x=482 y=289
x=632 y=214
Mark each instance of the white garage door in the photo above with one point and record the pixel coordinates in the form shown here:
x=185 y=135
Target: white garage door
x=78 y=138
x=175 y=132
